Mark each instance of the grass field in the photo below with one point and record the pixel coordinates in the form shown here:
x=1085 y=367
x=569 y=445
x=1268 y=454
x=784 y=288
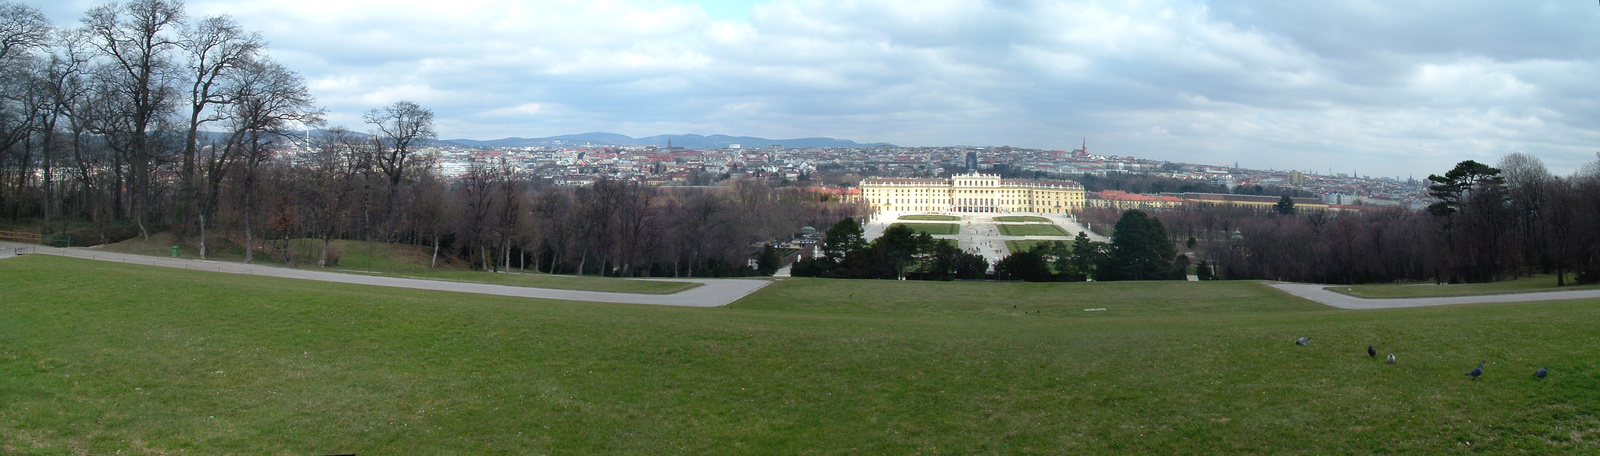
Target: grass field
x=396 y=260
x=357 y=255
x=1537 y=283
x=1025 y=245
x=560 y=282
x=929 y=217
x=1021 y=219
x=933 y=228
x=99 y=357
x=1032 y=230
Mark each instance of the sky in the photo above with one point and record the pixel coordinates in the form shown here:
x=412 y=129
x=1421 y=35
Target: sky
x=1375 y=87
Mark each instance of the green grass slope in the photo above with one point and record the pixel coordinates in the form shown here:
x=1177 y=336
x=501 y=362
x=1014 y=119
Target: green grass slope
x=1021 y=219
x=1032 y=230
x=558 y=282
x=933 y=228
x=102 y=357
x=931 y=217
x=1537 y=283
x=393 y=260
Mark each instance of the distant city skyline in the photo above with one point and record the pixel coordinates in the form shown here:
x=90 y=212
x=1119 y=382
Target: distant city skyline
x=1402 y=89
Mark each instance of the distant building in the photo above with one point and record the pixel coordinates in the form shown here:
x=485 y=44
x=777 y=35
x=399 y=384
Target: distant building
x=972 y=161
x=973 y=193
x=1117 y=199
x=1224 y=199
x=1297 y=178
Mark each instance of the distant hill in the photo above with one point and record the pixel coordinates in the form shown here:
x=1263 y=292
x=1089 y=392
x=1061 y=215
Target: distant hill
x=689 y=141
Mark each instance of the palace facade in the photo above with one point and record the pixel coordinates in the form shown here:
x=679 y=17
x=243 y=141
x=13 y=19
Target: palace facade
x=972 y=193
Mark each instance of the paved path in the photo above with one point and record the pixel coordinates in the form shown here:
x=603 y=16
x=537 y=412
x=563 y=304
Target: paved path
x=1316 y=292
x=711 y=293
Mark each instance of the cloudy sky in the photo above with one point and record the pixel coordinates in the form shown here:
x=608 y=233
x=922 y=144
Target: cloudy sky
x=1392 y=88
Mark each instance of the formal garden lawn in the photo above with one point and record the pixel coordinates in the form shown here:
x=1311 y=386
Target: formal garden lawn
x=1537 y=283
x=1032 y=230
x=931 y=217
x=1026 y=245
x=933 y=228
x=98 y=358
x=1021 y=219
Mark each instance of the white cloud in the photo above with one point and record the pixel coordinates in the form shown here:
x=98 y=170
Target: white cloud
x=1408 y=87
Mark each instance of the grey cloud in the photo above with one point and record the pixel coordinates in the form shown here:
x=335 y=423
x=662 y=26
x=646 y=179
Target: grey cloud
x=1279 y=84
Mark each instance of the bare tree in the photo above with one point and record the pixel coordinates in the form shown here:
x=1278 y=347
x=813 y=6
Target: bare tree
x=477 y=204
x=22 y=28
x=135 y=41
x=64 y=81
x=335 y=164
x=510 y=211
x=1526 y=178
x=552 y=208
x=432 y=209
x=24 y=104
x=267 y=99
x=635 y=224
x=399 y=128
x=214 y=46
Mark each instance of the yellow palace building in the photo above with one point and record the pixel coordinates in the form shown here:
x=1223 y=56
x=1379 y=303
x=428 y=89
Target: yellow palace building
x=972 y=193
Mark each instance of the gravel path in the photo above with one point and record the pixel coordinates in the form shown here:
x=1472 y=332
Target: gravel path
x=711 y=293
x=1315 y=292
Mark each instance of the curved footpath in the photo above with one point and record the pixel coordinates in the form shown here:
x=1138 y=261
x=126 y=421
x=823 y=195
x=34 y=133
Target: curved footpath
x=711 y=293
x=1315 y=292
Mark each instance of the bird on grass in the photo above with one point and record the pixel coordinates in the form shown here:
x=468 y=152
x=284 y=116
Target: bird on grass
x=1541 y=372
x=1302 y=341
x=1476 y=371
x=1371 y=352
x=1391 y=358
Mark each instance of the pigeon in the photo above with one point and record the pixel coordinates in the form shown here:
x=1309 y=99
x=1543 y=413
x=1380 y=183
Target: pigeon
x=1391 y=358
x=1302 y=341
x=1371 y=353
x=1476 y=371
x=1541 y=372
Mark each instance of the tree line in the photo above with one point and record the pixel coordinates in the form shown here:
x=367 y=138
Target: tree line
x=1486 y=223
x=142 y=119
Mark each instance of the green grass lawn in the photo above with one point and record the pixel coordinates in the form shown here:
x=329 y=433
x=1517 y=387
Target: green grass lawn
x=939 y=218
x=559 y=282
x=1032 y=230
x=933 y=228
x=1537 y=283
x=395 y=260
x=356 y=256
x=1026 y=244
x=1021 y=219
x=101 y=357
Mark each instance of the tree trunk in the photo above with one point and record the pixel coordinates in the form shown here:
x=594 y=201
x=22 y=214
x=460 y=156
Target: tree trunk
x=585 y=259
x=249 y=242
x=435 y=262
x=322 y=258
x=202 y=235
x=249 y=228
